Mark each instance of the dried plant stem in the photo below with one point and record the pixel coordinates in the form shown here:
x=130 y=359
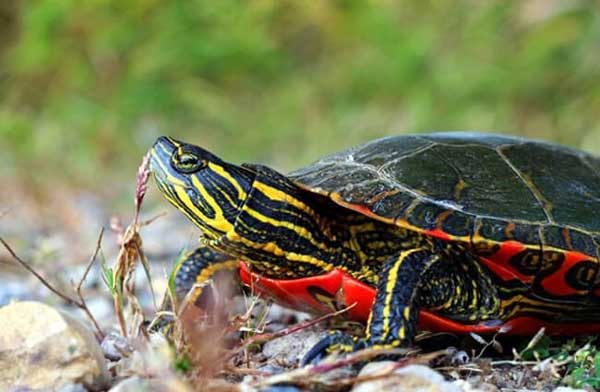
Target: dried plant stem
x=295 y=328
x=308 y=375
x=130 y=253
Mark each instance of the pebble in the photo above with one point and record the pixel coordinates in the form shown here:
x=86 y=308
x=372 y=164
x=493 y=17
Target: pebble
x=411 y=378
x=281 y=388
x=134 y=384
x=42 y=348
x=115 y=346
x=271 y=368
x=73 y=388
x=289 y=350
x=477 y=386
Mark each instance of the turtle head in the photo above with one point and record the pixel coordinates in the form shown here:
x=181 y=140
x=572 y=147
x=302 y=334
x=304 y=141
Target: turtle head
x=209 y=191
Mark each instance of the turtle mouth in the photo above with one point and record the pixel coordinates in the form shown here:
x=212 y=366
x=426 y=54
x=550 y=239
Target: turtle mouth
x=168 y=180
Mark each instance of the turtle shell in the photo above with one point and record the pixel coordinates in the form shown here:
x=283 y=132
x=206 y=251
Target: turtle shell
x=531 y=207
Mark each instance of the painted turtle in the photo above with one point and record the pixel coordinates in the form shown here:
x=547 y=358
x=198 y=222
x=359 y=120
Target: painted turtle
x=458 y=232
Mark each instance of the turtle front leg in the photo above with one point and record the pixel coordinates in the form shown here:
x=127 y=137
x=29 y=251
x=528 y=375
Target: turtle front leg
x=190 y=289
x=393 y=318
x=197 y=268
x=191 y=275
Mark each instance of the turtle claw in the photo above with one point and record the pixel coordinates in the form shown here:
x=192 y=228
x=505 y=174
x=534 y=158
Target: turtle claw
x=334 y=342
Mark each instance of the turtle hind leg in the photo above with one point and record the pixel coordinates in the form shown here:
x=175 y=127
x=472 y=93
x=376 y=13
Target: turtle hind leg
x=462 y=289
x=394 y=314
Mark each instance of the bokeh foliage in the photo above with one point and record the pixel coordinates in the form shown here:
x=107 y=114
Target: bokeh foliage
x=85 y=87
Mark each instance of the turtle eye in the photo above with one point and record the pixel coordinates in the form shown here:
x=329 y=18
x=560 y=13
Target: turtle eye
x=187 y=162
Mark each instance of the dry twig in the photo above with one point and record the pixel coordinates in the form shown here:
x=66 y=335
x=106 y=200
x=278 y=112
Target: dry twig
x=310 y=375
x=80 y=301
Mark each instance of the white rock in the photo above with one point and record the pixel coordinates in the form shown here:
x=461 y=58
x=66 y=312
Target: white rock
x=411 y=378
x=480 y=387
x=72 y=388
x=288 y=350
x=138 y=384
x=42 y=348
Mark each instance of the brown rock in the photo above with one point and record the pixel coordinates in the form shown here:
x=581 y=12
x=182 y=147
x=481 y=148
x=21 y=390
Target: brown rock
x=42 y=348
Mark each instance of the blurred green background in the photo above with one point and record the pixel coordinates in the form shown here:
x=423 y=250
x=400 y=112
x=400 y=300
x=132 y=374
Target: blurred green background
x=85 y=87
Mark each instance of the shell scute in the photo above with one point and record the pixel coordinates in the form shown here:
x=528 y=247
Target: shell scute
x=424 y=215
x=563 y=181
x=458 y=224
x=392 y=205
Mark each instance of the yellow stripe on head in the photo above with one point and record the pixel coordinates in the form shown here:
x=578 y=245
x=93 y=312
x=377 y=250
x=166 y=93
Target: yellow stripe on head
x=223 y=173
x=219 y=221
x=279 y=195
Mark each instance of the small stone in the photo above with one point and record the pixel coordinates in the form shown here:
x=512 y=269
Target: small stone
x=467 y=386
x=42 y=348
x=73 y=388
x=115 y=346
x=568 y=389
x=460 y=358
x=135 y=384
x=288 y=350
x=271 y=368
x=281 y=388
x=413 y=378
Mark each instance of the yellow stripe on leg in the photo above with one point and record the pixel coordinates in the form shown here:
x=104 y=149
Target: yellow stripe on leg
x=389 y=290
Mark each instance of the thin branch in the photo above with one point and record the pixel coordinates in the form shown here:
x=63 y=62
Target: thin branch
x=91 y=261
x=294 y=328
x=307 y=375
x=84 y=307
x=79 y=303
x=25 y=265
x=152 y=219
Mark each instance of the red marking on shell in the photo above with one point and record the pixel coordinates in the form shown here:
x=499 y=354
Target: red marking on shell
x=363 y=210
x=439 y=234
x=556 y=283
x=499 y=262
